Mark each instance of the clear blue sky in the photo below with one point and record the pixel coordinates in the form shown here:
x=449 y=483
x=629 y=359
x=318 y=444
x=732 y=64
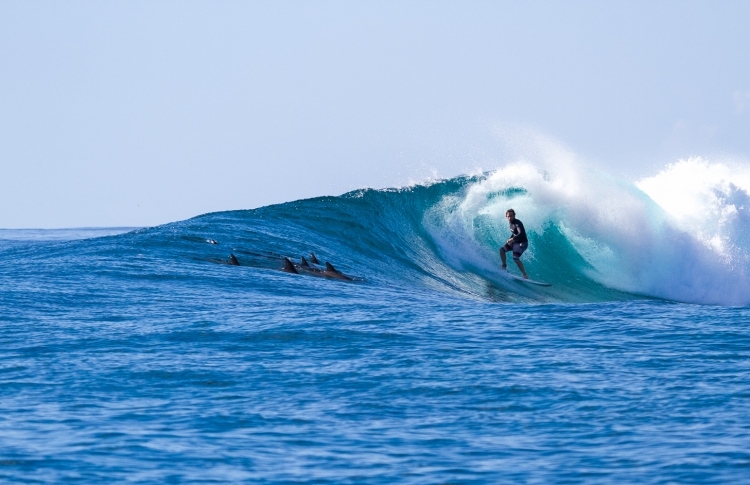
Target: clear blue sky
x=140 y=113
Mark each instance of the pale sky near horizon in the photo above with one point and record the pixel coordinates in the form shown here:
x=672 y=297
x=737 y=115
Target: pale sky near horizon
x=123 y=113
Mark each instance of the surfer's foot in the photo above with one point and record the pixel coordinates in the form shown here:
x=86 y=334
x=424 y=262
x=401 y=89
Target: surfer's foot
x=504 y=268
x=525 y=276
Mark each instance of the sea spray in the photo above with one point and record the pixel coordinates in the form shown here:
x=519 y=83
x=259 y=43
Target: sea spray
x=710 y=201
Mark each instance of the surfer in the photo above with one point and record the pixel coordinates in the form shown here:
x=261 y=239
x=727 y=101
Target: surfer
x=517 y=242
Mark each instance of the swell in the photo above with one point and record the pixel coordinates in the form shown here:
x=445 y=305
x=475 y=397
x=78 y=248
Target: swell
x=380 y=237
x=595 y=238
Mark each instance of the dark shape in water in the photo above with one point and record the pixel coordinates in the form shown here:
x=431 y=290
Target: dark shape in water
x=329 y=272
x=307 y=268
x=332 y=272
x=289 y=267
x=313 y=259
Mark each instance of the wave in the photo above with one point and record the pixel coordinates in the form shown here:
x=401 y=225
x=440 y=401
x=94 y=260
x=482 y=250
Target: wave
x=681 y=235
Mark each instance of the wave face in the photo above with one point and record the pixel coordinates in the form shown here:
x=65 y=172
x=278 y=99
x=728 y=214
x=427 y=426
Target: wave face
x=682 y=235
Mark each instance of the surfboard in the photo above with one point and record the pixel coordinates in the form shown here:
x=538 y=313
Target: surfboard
x=521 y=278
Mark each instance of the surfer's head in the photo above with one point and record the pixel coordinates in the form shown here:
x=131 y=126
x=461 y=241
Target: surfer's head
x=511 y=214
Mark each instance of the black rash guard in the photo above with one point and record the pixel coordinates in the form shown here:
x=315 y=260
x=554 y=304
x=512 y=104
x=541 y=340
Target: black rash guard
x=519 y=233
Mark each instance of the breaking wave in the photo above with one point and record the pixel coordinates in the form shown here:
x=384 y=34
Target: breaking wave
x=683 y=235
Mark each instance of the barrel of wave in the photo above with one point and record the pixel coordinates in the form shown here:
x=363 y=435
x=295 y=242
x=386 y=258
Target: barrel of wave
x=585 y=222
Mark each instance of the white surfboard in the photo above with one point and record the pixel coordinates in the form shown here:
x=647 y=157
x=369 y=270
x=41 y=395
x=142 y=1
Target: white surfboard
x=521 y=278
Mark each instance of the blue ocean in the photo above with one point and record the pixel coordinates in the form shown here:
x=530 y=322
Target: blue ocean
x=184 y=354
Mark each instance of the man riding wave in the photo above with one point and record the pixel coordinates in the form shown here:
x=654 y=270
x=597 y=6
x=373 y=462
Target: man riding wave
x=517 y=243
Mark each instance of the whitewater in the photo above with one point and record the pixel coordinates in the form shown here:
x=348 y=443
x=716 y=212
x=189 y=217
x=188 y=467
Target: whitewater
x=145 y=355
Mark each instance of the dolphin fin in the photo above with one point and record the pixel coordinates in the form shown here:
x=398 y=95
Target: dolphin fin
x=304 y=263
x=332 y=272
x=289 y=267
x=233 y=260
x=313 y=259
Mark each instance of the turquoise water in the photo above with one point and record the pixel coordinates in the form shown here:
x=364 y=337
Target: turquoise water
x=140 y=356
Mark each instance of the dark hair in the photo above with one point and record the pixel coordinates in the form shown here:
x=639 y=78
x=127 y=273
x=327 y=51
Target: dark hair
x=510 y=211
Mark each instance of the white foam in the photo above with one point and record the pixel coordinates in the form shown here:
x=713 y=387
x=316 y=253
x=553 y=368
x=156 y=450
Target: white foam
x=709 y=200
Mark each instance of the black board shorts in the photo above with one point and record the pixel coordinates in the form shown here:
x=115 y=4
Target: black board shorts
x=517 y=248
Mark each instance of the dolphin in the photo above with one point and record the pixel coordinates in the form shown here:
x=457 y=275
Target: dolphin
x=332 y=272
x=306 y=267
x=232 y=261
x=328 y=272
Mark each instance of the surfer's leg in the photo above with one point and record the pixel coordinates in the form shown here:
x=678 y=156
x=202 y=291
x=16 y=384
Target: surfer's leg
x=518 y=250
x=502 y=256
x=520 y=266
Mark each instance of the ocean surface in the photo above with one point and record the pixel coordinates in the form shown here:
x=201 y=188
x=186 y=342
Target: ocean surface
x=146 y=356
